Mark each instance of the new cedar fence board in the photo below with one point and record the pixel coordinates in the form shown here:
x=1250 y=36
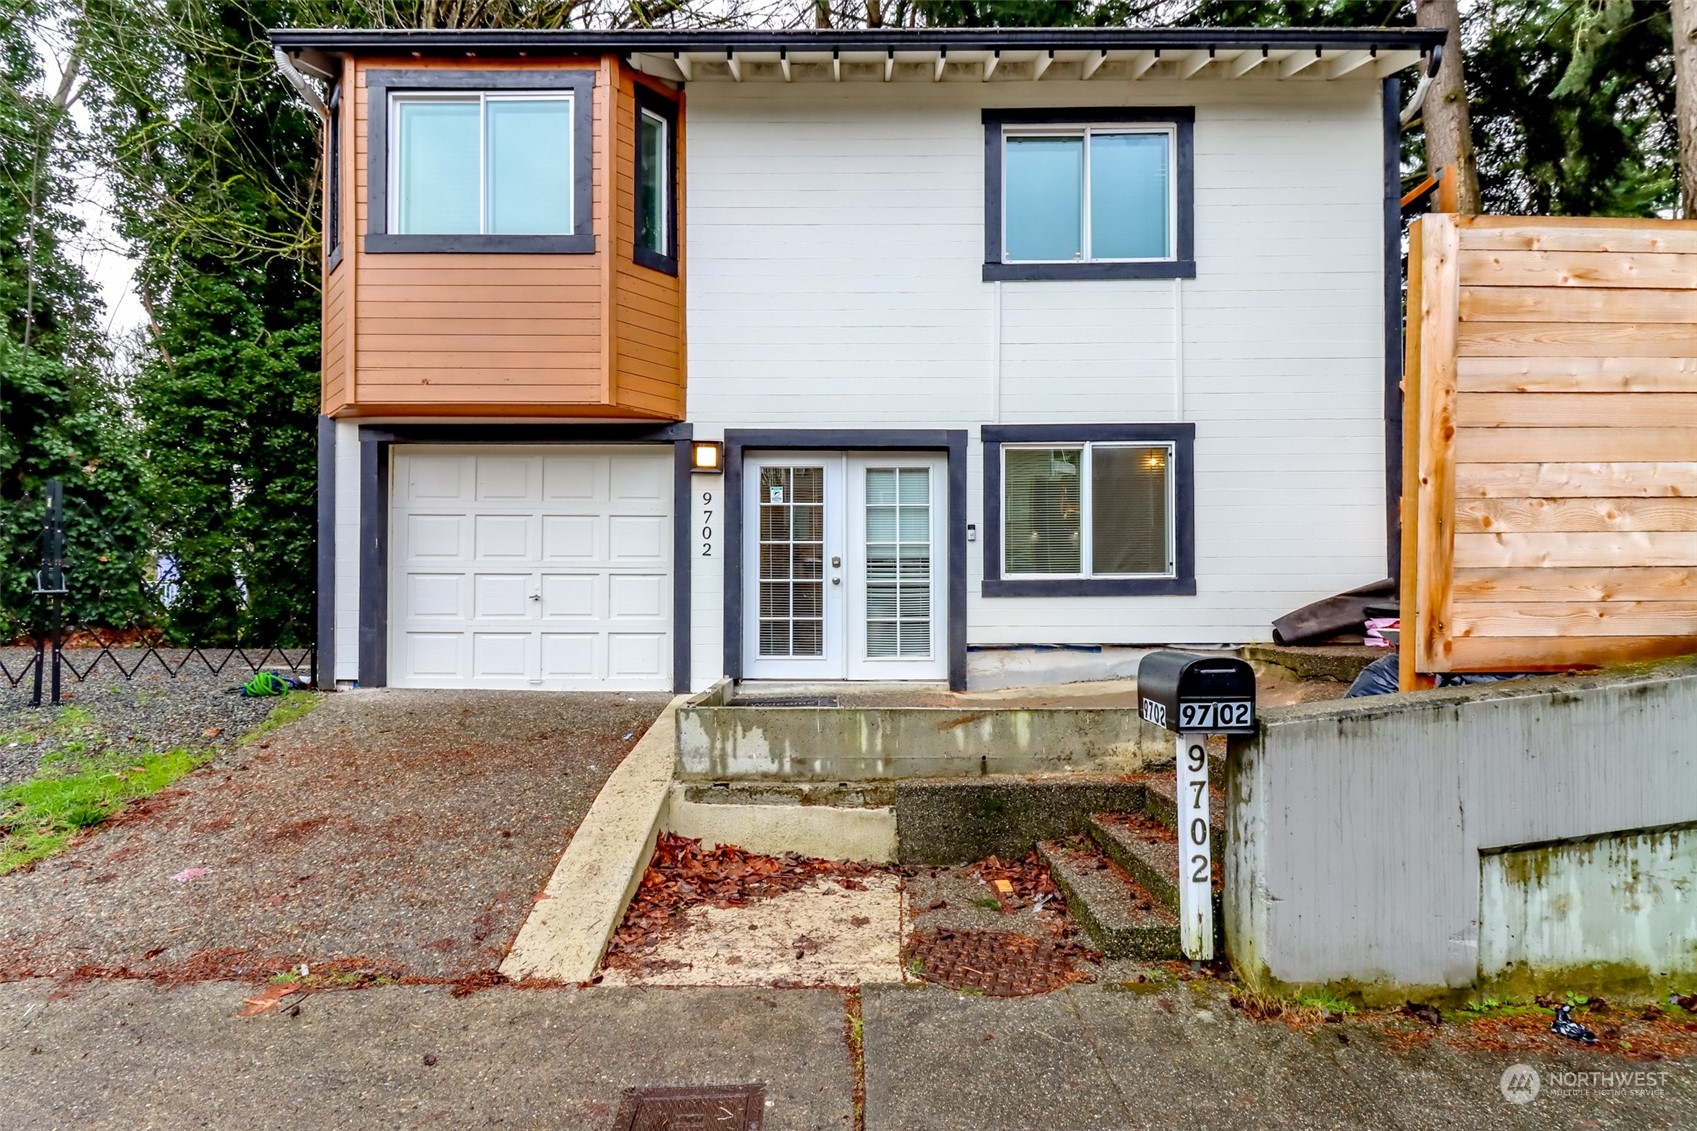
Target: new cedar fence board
x=1550 y=497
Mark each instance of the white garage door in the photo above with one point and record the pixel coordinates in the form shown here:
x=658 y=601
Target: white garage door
x=546 y=567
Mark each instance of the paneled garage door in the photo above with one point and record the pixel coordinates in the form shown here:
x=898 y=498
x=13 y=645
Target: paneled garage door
x=546 y=567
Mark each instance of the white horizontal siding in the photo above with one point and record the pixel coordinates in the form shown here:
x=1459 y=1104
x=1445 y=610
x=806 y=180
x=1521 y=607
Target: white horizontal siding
x=346 y=657
x=835 y=244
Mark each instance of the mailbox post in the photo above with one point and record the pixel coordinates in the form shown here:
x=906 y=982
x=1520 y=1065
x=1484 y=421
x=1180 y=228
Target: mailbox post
x=1195 y=696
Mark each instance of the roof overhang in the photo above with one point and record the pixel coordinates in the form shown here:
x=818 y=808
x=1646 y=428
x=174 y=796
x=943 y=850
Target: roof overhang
x=984 y=54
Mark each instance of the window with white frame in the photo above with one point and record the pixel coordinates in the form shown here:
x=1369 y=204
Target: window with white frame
x=1088 y=194
x=1087 y=510
x=653 y=163
x=476 y=163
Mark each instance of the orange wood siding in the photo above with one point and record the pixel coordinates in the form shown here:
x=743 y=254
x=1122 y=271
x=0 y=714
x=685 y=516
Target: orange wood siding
x=336 y=358
x=505 y=335
x=1552 y=407
x=648 y=309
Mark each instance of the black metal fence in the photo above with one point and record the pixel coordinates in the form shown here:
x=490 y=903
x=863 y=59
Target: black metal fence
x=61 y=652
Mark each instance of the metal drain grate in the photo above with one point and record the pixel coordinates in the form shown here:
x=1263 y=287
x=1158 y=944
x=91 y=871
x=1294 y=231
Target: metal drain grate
x=997 y=963
x=710 y=1107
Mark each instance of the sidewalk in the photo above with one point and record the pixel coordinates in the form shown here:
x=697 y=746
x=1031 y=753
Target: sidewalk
x=128 y=1054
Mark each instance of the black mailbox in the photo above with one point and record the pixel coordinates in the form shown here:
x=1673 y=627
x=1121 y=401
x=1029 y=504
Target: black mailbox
x=1190 y=694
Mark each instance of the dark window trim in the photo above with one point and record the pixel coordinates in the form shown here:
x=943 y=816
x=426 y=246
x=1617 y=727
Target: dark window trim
x=952 y=441
x=1181 y=266
x=1183 y=439
x=380 y=84
x=333 y=180
x=1393 y=328
x=324 y=611
x=647 y=99
x=375 y=443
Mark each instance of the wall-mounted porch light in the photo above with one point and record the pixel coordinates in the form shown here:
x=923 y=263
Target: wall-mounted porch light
x=708 y=456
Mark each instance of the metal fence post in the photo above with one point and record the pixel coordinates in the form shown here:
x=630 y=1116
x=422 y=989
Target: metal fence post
x=50 y=581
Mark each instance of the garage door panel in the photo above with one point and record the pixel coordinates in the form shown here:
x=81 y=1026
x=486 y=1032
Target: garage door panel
x=572 y=537
x=531 y=567
x=438 y=536
x=569 y=596
x=574 y=479
x=433 y=655
x=503 y=537
x=636 y=596
x=635 y=655
x=436 y=596
x=505 y=479
x=500 y=655
x=570 y=655
x=435 y=479
x=638 y=479
x=637 y=538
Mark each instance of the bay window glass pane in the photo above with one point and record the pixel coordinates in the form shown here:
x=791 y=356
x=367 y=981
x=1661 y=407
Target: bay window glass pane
x=438 y=168
x=651 y=183
x=1043 y=198
x=530 y=166
x=1129 y=196
x=1128 y=505
x=1042 y=522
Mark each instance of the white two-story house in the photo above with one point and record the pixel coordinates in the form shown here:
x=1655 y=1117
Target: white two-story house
x=656 y=357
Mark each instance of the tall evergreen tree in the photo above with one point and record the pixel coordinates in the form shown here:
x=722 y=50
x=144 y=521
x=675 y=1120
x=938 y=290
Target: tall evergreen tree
x=58 y=417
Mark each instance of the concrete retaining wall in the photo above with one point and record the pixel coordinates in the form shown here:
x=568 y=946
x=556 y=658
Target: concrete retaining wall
x=840 y=744
x=1358 y=833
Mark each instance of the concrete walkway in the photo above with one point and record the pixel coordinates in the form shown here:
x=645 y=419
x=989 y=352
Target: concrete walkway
x=127 y=1054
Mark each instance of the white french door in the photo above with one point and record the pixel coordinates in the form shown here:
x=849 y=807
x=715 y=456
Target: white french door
x=844 y=568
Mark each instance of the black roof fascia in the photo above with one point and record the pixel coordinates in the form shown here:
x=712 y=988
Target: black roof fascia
x=371 y=41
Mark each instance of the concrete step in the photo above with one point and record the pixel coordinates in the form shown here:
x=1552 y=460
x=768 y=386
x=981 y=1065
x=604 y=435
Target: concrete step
x=1120 y=918
x=1148 y=852
x=1160 y=802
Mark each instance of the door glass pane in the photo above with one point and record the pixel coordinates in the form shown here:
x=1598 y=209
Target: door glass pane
x=1128 y=489
x=1042 y=522
x=792 y=560
x=530 y=166
x=651 y=183
x=438 y=168
x=1128 y=196
x=898 y=562
x=1043 y=198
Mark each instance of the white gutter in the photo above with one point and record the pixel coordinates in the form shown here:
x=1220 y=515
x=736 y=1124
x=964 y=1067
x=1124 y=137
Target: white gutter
x=303 y=86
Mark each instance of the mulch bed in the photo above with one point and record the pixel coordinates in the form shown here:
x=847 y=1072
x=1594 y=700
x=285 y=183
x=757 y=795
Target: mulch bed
x=996 y=963
x=683 y=875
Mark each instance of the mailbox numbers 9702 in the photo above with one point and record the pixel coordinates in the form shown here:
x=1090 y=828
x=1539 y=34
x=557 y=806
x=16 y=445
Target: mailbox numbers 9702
x=1218 y=714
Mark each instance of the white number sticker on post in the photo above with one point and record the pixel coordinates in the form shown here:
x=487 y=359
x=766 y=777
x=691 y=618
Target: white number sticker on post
x=1215 y=714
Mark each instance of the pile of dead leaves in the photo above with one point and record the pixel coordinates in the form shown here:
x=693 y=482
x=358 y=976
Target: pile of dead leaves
x=1018 y=884
x=683 y=874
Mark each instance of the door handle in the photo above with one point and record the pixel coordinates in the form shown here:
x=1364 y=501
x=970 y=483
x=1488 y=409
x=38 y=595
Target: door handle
x=836 y=581
x=536 y=596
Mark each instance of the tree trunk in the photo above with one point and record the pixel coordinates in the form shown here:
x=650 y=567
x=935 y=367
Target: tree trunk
x=1449 y=131
x=1685 y=101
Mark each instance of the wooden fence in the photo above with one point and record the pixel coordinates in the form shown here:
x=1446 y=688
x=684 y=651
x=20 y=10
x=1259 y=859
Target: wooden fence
x=1550 y=444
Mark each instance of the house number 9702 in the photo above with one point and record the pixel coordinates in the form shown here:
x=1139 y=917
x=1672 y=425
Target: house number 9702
x=706 y=524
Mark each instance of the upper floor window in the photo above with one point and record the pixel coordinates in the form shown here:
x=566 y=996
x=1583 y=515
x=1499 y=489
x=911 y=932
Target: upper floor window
x=480 y=161
x=1100 y=193
x=656 y=182
x=483 y=164
x=333 y=180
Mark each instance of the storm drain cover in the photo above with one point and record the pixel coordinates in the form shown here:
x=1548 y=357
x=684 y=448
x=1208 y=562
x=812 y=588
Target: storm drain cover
x=996 y=963
x=713 y=1107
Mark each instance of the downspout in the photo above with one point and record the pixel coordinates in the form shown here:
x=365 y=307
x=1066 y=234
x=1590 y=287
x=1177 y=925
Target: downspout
x=1418 y=99
x=303 y=85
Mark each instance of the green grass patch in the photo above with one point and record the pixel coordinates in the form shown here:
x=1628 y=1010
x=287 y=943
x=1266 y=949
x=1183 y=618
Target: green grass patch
x=294 y=706
x=1330 y=1003
x=988 y=904
x=1500 y=1007
x=39 y=817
